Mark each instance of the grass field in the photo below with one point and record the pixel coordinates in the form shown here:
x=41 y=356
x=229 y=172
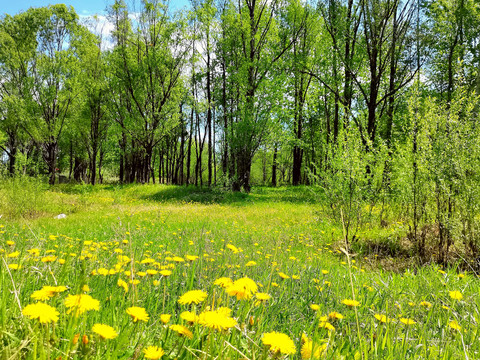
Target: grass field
x=182 y=273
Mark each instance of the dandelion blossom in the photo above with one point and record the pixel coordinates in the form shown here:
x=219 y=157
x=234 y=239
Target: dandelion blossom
x=243 y=288
x=189 y=317
x=182 y=331
x=279 y=343
x=193 y=297
x=223 y=282
x=381 y=318
x=81 y=303
x=350 y=303
x=44 y=313
x=165 y=318
x=137 y=313
x=314 y=307
x=335 y=316
x=311 y=350
x=454 y=325
x=216 y=320
x=105 y=331
x=153 y=352
x=407 y=321
x=456 y=295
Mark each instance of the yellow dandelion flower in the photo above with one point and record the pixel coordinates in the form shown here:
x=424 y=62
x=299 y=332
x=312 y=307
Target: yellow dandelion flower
x=314 y=307
x=138 y=314
x=153 y=352
x=216 y=320
x=455 y=295
x=223 y=282
x=335 y=316
x=14 y=254
x=350 y=303
x=44 y=313
x=105 y=331
x=165 y=318
x=191 y=257
x=78 y=304
x=261 y=297
x=181 y=330
x=311 y=350
x=454 y=325
x=251 y=263
x=407 y=321
x=381 y=318
x=283 y=275
x=326 y=325
x=243 y=288
x=324 y=272
x=193 y=297
x=279 y=343
x=14 y=266
x=165 y=273
x=123 y=284
x=47 y=292
x=189 y=317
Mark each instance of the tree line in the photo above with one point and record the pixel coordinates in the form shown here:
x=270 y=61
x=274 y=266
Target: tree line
x=202 y=96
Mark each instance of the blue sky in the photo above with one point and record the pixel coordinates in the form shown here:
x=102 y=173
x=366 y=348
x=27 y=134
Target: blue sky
x=82 y=7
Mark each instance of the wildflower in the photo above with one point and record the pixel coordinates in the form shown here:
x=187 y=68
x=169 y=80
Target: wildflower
x=262 y=297
x=311 y=350
x=324 y=272
x=181 y=330
x=454 y=325
x=152 y=272
x=137 y=313
x=314 y=307
x=123 y=284
x=243 y=288
x=81 y=303
x=283 y=275
x=41 y=311
x=105 y=331
x=251 y=263
x=335 y=316
x=191 y=257
x=85 y=288
x=84 y=339
x=381 y=318
x=350 y=303
x=456 y=295
x=14 y=254
x=47 y=292
x=326 y=325
x=223 y=282
x=50 y=258
x=216 y=320
x=189 y=317
x=426 y=304
x=153 y=352
x=193 y=296
x=407 y=321
x=165 y=318
x=279 y=343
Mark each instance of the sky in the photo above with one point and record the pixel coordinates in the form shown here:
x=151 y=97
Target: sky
x=82 y=7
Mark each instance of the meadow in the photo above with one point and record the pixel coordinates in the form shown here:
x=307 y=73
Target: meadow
x=164 y=272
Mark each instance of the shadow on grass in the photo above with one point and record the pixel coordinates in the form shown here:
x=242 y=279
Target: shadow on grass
x=205 y=195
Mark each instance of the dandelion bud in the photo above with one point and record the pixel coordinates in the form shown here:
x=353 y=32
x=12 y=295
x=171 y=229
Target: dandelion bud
x=75 y=339
x=85 y=339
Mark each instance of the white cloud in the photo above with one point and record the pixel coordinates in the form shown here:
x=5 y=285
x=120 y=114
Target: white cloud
x=100 y=26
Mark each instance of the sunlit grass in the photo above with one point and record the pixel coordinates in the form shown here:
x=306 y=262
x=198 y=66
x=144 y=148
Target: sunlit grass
x=136 y=251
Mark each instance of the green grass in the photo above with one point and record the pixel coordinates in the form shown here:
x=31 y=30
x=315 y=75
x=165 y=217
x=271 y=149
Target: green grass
x=280 y=230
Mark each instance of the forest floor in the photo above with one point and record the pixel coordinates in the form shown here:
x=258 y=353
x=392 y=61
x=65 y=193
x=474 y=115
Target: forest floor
x=269 y=273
